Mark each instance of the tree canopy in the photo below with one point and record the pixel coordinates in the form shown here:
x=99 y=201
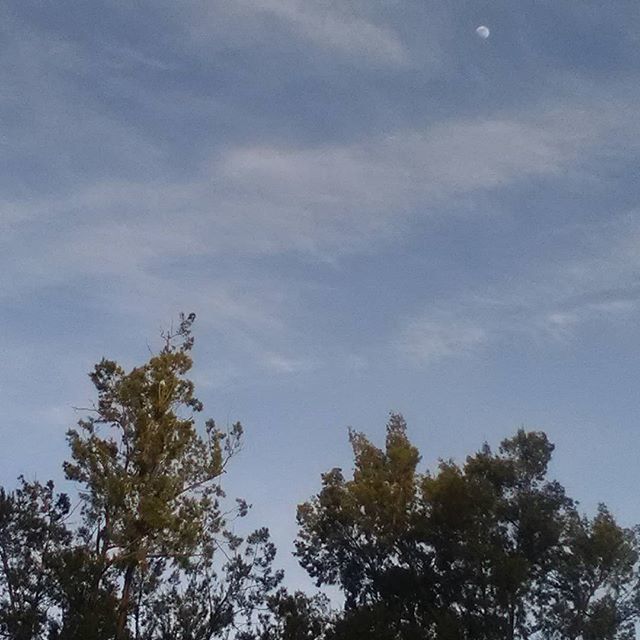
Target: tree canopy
x=488 y=549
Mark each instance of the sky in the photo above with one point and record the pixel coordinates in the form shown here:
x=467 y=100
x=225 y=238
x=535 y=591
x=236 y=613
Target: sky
x=368 y=207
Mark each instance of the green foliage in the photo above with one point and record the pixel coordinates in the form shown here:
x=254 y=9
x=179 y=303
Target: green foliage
x=595 y=594
x=354 y=531
x=85 y=598
x=487 y=550
x=153 y=557
x=292 y=616
x=198 y=604
x=152 y=503
x=32 y=535
x=150 y=481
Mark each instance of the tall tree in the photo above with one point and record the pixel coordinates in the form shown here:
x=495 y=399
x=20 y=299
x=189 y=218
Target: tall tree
x=499 y=542
x=151 y=493
x=361 y=535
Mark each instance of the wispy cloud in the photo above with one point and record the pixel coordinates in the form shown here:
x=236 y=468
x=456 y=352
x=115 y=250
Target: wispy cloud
x=433 y=337
x=332 y=198
x=544 y=305
x=337 y=27
x=123 y=56
x=56 y=131
x=324 y=202
x=325 y=184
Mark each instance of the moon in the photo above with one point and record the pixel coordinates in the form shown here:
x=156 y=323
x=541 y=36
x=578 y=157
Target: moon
x=483 y=32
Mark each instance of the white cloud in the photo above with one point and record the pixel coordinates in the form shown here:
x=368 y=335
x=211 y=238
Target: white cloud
x=279 y=363
x=561 y=323
x=546 y=304
x=341 y=198
x=324 y=200
x=431 y=338
x=334 y=26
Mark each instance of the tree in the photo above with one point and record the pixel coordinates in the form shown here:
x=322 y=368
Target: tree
x=33 y=533
x=361 y=535
x=197 y=604
x=494 y=525
x=490 y=549
x=154 y=528
x=595 y=593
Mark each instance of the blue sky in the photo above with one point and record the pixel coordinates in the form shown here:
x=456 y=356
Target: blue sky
x=368 y=207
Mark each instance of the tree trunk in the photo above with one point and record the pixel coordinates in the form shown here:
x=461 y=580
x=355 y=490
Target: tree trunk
x=124 y=602
x=512 y=622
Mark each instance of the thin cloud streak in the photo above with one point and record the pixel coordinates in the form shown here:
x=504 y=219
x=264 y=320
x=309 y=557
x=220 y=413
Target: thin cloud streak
x=332 y=26
x=545 y=305
x=434 y=337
